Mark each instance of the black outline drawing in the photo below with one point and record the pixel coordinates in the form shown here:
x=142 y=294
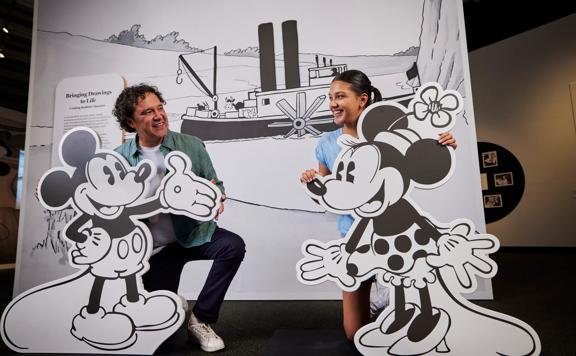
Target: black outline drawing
x=426 y=263
x=108 y=242
x=292 y=111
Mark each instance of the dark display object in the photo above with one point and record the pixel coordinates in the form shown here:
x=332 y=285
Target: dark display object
x=503 y=180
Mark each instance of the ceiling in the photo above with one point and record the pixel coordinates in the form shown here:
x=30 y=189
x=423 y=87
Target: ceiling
x=16 y=16
x=487 y=21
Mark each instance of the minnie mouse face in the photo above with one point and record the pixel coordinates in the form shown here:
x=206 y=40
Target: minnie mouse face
x=362 y=182
x=378 y=169
x=110 y=186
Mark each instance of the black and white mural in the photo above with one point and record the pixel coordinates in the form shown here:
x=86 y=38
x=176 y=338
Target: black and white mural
x=103 y=307
x=249 y=78
x=425 y=262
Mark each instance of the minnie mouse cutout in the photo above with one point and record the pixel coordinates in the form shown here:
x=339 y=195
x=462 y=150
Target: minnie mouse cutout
x=104 y=307
x=426 y=263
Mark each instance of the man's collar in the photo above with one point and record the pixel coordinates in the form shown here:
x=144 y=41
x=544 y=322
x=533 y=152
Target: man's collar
x=167 y=142
x=133 y=146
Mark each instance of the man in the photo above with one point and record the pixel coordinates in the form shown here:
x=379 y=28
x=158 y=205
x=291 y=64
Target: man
x=179 y=239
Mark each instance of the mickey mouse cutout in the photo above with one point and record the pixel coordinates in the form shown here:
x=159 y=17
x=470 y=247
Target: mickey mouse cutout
x=426 y=263
x=104 y=307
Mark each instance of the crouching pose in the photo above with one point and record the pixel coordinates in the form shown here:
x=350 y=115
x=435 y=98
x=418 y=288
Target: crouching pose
x=179 y=239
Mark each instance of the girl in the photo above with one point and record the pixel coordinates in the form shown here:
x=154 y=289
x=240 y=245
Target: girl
x=350 y=93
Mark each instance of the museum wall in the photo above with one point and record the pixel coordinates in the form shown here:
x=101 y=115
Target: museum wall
x=12 y=126
x=522 y=102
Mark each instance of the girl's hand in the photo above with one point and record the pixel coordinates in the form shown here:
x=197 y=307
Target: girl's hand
x=446 y=139
x=308 y=175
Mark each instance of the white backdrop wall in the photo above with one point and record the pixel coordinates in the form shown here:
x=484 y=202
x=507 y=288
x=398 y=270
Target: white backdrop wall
x=267 y=205
x=522 y=102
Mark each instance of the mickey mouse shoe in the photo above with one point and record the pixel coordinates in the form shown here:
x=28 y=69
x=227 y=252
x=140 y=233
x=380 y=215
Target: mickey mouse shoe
x=102 y=330
x=155 y=312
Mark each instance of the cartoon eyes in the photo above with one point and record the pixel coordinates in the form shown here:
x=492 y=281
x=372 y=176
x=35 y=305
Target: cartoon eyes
x=339 y=170
x=347 y=172
x=111 y=176
x=121 y=170
x=107 y=171
x=349 y=176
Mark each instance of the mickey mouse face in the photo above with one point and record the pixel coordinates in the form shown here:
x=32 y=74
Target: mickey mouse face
x=111 y=186
x=358 y=182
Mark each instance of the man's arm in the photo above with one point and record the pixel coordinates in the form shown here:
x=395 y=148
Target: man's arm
x=206 y=169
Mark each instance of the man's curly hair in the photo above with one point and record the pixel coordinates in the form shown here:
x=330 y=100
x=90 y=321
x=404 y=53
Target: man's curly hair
x=126 y=103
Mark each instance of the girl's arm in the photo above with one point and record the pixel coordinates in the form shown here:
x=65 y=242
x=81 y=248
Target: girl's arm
x=323 y=170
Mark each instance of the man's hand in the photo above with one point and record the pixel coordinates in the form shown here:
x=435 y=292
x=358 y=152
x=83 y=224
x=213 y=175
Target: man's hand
x=222 y=199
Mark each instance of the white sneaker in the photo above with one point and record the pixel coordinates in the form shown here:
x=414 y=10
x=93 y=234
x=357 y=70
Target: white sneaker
x=184 y=303
x=203 y=334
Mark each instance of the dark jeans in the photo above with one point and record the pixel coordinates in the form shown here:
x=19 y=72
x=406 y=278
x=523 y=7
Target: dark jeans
x=226 y=249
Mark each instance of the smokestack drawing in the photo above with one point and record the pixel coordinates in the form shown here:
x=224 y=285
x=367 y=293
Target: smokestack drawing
x=291 y=63
x=267 y=57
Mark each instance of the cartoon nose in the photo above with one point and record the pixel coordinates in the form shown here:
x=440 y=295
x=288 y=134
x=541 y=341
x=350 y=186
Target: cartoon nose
x=78 y=238
x=143 y=172
x=316 y=187
x=352 y=269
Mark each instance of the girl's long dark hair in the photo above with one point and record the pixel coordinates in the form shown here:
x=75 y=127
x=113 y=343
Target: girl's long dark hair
x=360 y=84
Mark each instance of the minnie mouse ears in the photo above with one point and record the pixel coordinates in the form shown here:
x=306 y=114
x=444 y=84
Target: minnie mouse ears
x=432 y=111
x=381 y=117
x=413 y=132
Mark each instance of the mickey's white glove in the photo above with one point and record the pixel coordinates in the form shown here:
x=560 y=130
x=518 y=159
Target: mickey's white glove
x=466 y=252
x=325 y=262
x=184 y=193
x=96 y=246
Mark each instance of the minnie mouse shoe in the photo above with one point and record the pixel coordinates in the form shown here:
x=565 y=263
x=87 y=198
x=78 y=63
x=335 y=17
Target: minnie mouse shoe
x=424 y=343
x=391 y=329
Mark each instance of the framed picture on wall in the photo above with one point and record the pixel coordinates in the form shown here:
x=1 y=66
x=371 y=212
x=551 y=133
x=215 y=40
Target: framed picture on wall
x=493 y=201
x=484 y=181
x=503 y=179
x=489 y=159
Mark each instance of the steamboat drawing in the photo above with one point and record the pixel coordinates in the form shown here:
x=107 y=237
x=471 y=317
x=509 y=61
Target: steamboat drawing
x=292 y=111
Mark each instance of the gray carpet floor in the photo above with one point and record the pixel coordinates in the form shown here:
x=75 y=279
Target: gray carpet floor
x=534 y=285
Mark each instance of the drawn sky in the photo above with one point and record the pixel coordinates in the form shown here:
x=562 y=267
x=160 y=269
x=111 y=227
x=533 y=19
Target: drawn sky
x=334 y=27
